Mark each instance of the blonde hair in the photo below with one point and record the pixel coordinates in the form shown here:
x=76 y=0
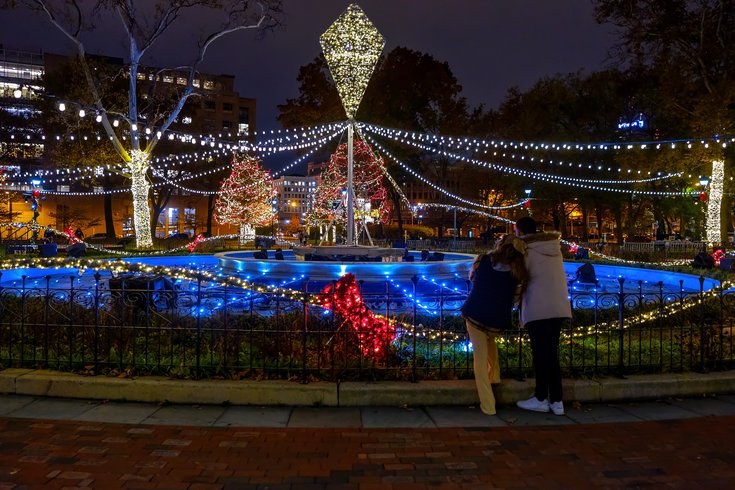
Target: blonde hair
x=511 y=250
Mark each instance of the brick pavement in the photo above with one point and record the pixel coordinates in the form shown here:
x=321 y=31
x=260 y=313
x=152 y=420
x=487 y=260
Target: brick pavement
x=690 y=453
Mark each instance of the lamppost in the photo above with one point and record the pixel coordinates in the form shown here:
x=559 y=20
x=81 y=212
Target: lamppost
x=352 y=47
x=274 y=204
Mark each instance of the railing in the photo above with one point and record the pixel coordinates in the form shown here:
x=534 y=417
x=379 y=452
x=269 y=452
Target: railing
x=101 y=324
x=670 y=247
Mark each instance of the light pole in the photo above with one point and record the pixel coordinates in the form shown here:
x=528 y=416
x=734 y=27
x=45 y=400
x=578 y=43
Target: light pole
x=454 y=243
x=274 y=203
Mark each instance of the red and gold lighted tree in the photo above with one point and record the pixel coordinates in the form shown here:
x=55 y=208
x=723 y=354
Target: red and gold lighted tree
x=371 y=196
x=245 y=197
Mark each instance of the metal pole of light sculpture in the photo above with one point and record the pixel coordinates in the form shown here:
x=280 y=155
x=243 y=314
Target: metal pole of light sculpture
x=351 y=46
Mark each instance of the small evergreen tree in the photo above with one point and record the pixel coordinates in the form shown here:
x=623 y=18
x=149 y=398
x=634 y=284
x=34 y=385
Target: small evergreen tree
x=245 y=197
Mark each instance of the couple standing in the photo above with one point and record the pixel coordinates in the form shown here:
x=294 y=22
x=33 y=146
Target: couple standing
x=526 y=266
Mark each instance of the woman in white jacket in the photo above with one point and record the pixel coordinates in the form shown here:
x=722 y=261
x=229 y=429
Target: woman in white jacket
x=544 y=307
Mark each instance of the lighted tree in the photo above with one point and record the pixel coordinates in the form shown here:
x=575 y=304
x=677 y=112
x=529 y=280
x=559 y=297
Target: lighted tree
x=371 y=197
x=245 y=197
x=144 y=24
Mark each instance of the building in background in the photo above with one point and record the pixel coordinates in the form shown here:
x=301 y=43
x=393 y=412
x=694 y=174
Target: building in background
x=219 y=111
x=294 y=198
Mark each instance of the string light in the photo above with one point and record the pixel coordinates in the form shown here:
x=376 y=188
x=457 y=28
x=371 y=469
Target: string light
x=372 y=201
x=438 y=188
x=556 y=179
x=547 y=146
x=531 y=159
x=374 y=333
x=250 y=207
x=351 y=46
x=714 y=203
x=138 y=167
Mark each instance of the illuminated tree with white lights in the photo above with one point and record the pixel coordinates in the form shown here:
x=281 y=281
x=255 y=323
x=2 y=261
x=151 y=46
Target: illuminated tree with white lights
x=136 y=129
x=245 y=197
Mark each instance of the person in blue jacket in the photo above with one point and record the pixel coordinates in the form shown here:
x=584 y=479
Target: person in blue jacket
x=498 y=279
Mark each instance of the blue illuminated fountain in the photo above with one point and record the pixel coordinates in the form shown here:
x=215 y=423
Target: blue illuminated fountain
x=422 y=278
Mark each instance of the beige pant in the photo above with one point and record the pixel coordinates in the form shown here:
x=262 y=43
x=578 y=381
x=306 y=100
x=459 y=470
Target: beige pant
x=485 y=362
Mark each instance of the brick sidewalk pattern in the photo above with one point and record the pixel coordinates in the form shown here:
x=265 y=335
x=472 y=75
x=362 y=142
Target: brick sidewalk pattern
x=690 y=453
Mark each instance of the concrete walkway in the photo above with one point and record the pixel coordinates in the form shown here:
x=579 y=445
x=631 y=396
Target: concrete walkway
x=153 y=389
x=678 y=433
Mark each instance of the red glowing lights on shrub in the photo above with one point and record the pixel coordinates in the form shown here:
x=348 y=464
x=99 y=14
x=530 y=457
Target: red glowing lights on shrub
x=344 y=298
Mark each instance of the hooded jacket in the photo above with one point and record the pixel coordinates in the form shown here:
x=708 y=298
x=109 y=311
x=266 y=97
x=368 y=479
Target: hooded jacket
x=547 y=293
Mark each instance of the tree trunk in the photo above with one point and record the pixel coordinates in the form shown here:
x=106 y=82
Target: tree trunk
x=141 y=210
x=210 y=212
x=247 y=232
x=109 y=222
x=618 y=212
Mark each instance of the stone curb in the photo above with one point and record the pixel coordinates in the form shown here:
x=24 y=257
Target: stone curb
x=387 y=393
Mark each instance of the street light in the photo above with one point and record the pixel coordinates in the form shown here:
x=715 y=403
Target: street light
x=274 y=203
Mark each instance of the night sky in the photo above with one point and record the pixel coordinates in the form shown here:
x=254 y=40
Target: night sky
x=490 y=45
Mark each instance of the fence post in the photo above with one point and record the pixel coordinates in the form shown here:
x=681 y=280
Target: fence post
x=441 y=330
x=46 y=307
x=22 y=318
x=702 y=339
x=621 y=308
x=721 y=339
x=97 y=276
x=199 y=325
x=304 y=330
x=71 y=323
x=414 y=282
x=661 y=306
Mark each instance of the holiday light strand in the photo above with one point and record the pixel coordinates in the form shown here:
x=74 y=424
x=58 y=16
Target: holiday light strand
x=158 y=173
x=279 y=139
x=557 y=179
x=387 y=175
x=568 y=146
x=537 y=176
x=435 y=186
x=523 y=158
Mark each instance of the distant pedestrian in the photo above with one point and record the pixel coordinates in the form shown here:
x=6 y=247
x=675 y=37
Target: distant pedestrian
x=498 y=278
x=544 y=307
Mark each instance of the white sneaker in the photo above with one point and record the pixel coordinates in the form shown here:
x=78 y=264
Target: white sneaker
x=557 y=408
x=534 y=405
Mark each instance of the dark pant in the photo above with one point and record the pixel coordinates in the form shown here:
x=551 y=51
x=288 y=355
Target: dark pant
x=545 y=349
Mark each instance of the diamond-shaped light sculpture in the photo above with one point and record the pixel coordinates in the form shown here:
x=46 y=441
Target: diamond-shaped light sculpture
x=352 y=46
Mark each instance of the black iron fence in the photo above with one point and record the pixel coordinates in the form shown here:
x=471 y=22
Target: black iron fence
x=103 y=324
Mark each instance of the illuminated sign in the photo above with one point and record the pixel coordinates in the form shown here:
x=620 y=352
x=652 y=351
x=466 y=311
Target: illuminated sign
x=638 y=123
